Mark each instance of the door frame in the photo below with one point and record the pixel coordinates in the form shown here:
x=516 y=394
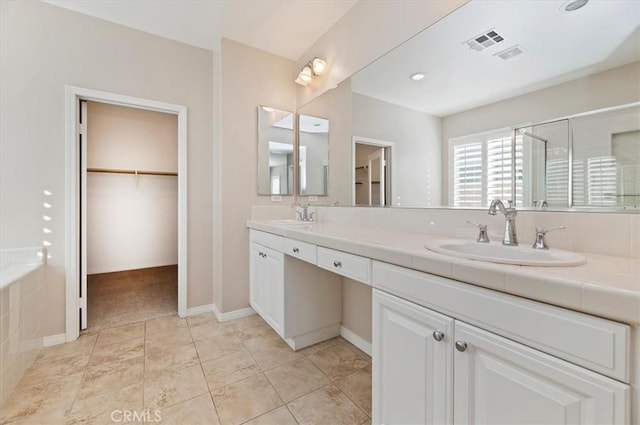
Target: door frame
x=389 y=160
x=74 y=195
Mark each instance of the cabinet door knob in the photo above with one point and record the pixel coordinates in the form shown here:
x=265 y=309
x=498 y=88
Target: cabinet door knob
x=337 y=263
x=461 y=346
x=296 y=250
x=438 y=336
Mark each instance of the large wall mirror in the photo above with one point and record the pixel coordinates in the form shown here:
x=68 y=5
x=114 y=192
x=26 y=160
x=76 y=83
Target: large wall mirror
x=448 y=101
x=275 y=151
x=313 y=155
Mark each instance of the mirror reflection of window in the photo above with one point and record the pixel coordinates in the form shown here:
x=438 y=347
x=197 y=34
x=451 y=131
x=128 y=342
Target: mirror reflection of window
x=606 y=158
x=481 y=168
x=313 y=139
x=275 y=151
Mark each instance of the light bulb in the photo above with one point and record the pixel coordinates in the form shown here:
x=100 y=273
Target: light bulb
x=305 y=76
x=319 y=66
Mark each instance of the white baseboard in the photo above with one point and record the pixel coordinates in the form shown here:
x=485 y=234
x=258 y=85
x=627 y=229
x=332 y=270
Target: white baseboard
x=356 y=340
x=193 y=311
x=50 y=340
x=230 y=315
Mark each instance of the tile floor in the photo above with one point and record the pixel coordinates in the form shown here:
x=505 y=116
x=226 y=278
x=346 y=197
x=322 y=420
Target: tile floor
x=193 y=371
x=130 y=296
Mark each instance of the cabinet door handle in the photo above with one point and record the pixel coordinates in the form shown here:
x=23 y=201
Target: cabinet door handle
x=296 y=250
x=461 y=346
x=337 y=263
x=438 y=336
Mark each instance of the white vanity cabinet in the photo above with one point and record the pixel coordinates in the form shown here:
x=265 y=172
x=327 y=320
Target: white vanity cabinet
x=300 y=301
x=434 y=368
x=267 y=285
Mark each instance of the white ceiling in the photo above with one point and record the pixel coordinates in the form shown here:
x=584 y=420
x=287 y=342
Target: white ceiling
x=559 y=46
x=283 y=27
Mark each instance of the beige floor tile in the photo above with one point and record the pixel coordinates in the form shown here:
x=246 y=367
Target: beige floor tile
x=218 y=346
x=55 y=416
x=165 y=324
x=199 y=410
x=107 y=377
x=295 y=379
x=106 y=408
x=327 y=405
x=253 y=331
x=167 y=339
x=203 y=318
x=84 y=344
x=120 y=333
x=272 y=353
x=208 y=329
x=174 y=358
x=118 y=351
x=173 y=387
x=228 y=369
x=38 y=399
x=357 y=386
x=279 y=416
x=45 y=370
x=338 y=360
x=245 y=400
x=320 y=346
x=356 y=350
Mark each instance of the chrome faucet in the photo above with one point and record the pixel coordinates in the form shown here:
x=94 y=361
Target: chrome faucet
x=510 y=237
x=303 y=215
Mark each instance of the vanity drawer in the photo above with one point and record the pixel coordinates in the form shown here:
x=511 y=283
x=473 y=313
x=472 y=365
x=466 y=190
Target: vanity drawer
x=302 y=250
x=349 y=265
x=267 y=239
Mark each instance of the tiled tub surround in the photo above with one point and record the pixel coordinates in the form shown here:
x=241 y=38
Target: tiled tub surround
x=22 y=278
x=608 y=285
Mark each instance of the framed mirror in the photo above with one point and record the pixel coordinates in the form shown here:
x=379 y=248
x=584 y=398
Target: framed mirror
x=313 y=155
x=275 y=151
x=484 y=70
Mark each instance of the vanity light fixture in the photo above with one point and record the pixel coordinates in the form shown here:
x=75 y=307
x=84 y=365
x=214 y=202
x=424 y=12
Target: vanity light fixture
x=315 y=67
x=417 y=76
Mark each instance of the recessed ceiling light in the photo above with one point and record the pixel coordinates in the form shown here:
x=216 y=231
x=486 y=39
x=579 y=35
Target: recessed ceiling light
x=417 y=76
x=572 y=5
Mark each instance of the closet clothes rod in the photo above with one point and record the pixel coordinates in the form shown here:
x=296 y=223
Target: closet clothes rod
x=134 y=172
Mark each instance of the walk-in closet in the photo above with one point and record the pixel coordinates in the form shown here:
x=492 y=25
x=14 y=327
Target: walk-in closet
x=131 y=213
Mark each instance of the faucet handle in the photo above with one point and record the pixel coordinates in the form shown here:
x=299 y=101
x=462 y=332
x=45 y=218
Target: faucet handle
x=540 y=243
x=483 y=237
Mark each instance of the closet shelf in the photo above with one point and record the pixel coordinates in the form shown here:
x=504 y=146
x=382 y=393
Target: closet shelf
x=135 y=172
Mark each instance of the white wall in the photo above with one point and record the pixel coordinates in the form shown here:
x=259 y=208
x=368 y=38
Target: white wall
x=42 y=49
x=416 y=154
x=241 y=93
x=132 y=222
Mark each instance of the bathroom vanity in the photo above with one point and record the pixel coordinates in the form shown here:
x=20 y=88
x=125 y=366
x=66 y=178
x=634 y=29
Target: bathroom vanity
x=451 y=344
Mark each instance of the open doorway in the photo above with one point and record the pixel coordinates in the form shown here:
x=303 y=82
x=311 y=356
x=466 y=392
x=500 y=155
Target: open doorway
x=372 y=172
x=78 y=176
x=131 y=208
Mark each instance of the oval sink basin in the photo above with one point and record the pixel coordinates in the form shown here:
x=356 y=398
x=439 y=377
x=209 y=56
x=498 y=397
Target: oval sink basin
x=497 y=253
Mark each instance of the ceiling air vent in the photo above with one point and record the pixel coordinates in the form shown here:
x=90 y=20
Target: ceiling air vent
x=484 y=40
x=511 y=52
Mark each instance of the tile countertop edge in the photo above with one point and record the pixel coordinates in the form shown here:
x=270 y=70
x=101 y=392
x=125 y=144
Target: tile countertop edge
x=406 y=249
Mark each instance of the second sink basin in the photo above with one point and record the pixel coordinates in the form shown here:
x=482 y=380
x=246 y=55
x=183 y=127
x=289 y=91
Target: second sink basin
x=498 y=253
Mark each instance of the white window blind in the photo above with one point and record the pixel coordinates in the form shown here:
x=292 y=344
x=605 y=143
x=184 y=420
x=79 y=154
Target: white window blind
x=481 y=169
x=467 y=171
x=602 y=180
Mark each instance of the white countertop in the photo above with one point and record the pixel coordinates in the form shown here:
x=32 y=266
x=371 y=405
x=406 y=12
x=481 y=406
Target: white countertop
x=605 y=286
